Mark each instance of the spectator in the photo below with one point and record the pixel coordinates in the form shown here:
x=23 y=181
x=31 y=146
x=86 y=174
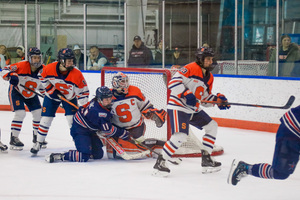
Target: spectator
x=21 y=52
x=176 y=59
x=96 y=59
x=158 y=55
x=79 y=56
x=5 y=53
x=139 y=55
x=288 y=55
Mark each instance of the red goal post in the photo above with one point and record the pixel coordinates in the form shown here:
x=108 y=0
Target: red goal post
x=153 y=84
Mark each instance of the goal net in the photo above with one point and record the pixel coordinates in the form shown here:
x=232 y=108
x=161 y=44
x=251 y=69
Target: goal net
x=153 y=84
x=244 y=67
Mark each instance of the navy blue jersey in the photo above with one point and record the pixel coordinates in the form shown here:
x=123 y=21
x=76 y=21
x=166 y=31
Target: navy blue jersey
x=94 y=117
x=291 y=120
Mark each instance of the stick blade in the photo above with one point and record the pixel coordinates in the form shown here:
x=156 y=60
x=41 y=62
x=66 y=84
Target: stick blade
x=290 y=102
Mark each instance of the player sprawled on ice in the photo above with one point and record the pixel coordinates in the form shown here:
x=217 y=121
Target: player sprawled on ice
x=60 y=79
x=189 y=85
x=24 y=73
x=91 y=119
x=128 y=109
x=286 y=153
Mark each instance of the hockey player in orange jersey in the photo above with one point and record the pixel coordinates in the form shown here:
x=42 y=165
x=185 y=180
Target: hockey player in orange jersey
x=60 y=79
x=189 y=86
x=129 y=109
x=24 y=73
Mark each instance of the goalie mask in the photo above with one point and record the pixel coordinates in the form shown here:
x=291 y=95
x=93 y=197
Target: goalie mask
x=34 y=51
x=65 y=54
x=104 y=93
x=120 y=83
x=203 y=52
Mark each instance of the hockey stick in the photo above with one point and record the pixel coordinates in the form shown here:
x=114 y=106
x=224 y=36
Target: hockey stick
x=29 y=89
x=286 y=106
x=115 y=145
x=174 y=162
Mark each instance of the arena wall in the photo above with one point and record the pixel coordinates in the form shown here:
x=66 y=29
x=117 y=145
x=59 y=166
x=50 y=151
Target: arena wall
x=239 y=89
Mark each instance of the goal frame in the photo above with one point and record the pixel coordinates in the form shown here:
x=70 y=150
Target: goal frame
x=168 y=75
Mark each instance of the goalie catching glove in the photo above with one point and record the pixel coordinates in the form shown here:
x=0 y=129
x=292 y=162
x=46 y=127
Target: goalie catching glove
x=158 y=116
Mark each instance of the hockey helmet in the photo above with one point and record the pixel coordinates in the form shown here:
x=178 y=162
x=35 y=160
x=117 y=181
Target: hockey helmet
x=120 y=82
x=203 y=52
x=34 y=51
x=102 y=93
x=63 y=55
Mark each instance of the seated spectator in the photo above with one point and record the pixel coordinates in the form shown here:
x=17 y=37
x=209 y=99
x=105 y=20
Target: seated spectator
x=96 y=59
x=139 y=55
x=21 y=52
x=5 y=53
x=79 y=56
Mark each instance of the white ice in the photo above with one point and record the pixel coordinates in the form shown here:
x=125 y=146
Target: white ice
x=23 y=177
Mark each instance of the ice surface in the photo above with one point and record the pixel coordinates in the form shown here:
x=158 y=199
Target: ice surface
x=24 y=177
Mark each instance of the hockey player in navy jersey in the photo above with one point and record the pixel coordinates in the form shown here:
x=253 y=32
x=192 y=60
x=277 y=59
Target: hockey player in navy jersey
x=286 y=154
x=91 y=120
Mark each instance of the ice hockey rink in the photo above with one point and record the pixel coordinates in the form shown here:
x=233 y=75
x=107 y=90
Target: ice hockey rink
x=25 y=177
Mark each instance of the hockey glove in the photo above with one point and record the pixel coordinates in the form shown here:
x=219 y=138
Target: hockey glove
x=222 y=99
x=14 y=79
x=189 y=97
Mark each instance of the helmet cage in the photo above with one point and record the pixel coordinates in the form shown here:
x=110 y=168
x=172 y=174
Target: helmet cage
x=120 y=82
x=201 y=54
x=34 y=51
x=65 y=54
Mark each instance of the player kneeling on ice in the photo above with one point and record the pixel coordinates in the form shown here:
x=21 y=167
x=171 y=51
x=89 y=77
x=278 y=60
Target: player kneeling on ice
x=24 y=73
x=191 y=84
x=285 y=158
x=91 y=120
x=128 y=107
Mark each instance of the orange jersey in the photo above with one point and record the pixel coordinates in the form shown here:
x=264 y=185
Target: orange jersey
x=26 y=77
x=70 y=85
x=191 y=78
x=127 y=109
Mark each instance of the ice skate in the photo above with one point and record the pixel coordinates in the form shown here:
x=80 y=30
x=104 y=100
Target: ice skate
x=209 y=165
x=36 y=147
x=3 y=147
x=54 y=157
x=44 y=144
x=237 y=171
x=161 y=168
x=16 y=144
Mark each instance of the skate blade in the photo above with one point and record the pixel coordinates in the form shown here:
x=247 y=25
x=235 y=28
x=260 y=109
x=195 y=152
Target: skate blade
x=175 y=161
x=232 y=168
x=15 y=148
x=158 y=173
x=3 y=151
x=208 y=170
x=44 y=146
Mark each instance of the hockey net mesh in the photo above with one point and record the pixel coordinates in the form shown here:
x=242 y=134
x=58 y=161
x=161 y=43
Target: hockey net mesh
x=153 y=85
x=258 y=68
